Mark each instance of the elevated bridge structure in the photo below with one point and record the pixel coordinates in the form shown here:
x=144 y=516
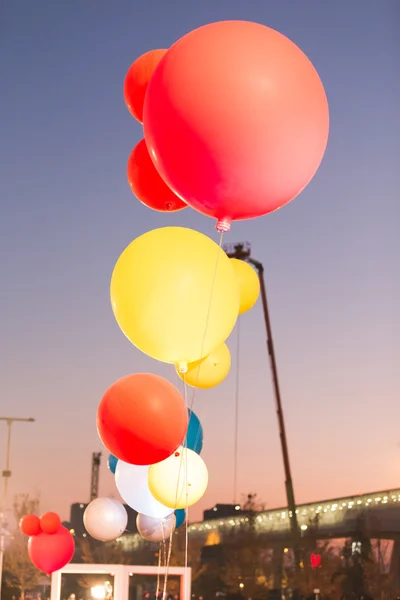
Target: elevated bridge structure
x=378 y=513
x=338 y=518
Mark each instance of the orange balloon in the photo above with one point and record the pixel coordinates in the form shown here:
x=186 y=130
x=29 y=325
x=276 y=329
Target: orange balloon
x=137 y=79
x=50 y=522
x=30 y=525
x=147 y=184
x=142 y=419
x=236 y=120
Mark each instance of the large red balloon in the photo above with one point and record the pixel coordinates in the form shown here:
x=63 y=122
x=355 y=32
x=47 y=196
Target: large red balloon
x=146 y=183
x=142 y=419
x=236 y=120
x=50 y=553
x=30 y=525
x=137 y=80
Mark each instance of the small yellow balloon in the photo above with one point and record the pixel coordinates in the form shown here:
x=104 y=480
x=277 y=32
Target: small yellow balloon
x=180 y=480
x=175 y=295
x=209 y=371
x=249 y=284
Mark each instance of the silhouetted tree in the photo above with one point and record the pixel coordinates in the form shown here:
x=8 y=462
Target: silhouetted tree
x=321 y=576
x=378 y=581
x=20 y=573
x=363 y=569
x=247 y=565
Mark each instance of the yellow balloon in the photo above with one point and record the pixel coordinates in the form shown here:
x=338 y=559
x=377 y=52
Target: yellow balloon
x=175 y=295
x=180 y=480
x=249 y=284
x=209 y=371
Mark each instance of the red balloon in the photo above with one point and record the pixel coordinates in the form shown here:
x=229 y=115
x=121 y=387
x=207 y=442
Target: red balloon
x=236 y=120
x=142 y=419
x=146 y=183
x=30 y=525
x=137 y=80
x=50 y=553
x=50 y=522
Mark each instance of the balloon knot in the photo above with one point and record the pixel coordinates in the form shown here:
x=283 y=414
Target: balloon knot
x=223 y=225
x=182 y=368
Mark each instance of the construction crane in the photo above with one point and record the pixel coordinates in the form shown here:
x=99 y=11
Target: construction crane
x=94 y=483
x=242 y=251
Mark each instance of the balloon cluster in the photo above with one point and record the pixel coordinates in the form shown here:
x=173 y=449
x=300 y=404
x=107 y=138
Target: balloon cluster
x=154 y=440
x=235 y=119
x=50 y=545
x=155 y=443
x=236 y=123
x=143 y=178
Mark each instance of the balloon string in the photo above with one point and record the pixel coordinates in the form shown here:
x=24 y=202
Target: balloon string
x=201 y=355
x=208 y=312
x=236 y=417
x=158 y=570
x=168 y=560
x=165 y=562
x=185 y=465
x=203 y=342
x=182 y=467
x=187 y=487
x=221 y=238
x=164 y=556
x=184 y=445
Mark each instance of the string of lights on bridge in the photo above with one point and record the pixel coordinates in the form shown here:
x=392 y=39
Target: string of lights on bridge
x=282 y=515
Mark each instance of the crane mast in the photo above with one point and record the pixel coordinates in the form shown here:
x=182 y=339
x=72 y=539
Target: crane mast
x=94 y=482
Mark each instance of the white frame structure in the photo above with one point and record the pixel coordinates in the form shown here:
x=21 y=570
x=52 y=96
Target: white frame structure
x=121 y=574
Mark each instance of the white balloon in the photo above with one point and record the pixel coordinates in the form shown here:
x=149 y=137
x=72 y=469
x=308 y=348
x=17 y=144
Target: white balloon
x=132 y=484
x=105 y=519
x=156 y=530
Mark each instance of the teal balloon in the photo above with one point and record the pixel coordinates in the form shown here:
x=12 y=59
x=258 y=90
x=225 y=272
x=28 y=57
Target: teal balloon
x=112 y=463
x=194 y=436
x=180 y=516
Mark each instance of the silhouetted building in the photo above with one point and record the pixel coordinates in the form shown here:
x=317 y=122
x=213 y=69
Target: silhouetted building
x=223 y=511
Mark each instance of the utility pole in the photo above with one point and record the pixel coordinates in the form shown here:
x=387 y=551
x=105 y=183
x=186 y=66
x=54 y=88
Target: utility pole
x=6 y=474
x=242 y=251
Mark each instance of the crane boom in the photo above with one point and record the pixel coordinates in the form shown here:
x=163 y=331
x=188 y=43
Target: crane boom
x=94 y=482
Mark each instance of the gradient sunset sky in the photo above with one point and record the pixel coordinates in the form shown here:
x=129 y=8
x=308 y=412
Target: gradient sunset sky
x=332 y=257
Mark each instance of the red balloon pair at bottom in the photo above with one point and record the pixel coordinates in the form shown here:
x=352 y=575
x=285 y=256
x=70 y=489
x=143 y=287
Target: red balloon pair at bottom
x=50 y=545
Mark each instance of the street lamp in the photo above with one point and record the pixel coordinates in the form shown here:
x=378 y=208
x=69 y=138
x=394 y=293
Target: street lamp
x=242 y=251
x=102 y=592
x=98 y=592
x=6 y=474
